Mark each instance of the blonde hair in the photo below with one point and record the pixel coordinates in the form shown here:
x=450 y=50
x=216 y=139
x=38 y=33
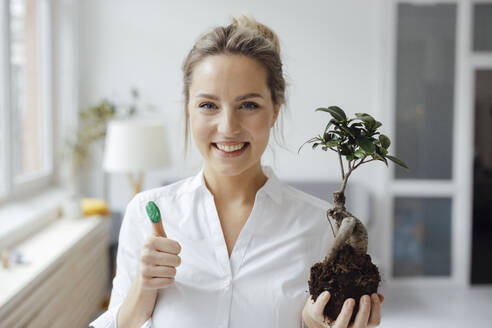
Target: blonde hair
x=244 y=36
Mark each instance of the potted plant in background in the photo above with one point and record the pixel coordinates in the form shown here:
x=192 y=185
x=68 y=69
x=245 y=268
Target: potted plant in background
x=347 y=270
x=92 y=127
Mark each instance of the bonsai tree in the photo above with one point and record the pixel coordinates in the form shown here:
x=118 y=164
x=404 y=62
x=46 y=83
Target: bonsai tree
x=347 y=270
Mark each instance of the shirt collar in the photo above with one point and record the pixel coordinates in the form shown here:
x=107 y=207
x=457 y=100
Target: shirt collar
x=272 y=187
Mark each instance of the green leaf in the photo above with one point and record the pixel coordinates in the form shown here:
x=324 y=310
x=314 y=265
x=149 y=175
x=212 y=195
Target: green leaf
x=345 y=150
x=358 y=132
x=368 y=120
x=326 y=137
x=385 y=141
x=364 y=115
x=377 y=125
x=310 y=140
x=331 y=143
x=327 y=127
x=379 y=158
x=359 y=153
x=337 y=113
x=332 y=121
x=397 y=161
x=315 y=145
x=341 y=134
x=381 y=151
x=350 y=157
x=367 y=145
x=347 y=130
x=333 y=137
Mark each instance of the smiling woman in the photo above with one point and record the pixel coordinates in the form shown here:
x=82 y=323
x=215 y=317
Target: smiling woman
x=246 y=240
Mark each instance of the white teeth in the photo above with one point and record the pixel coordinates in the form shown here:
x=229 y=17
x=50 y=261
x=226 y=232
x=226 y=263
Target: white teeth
x=228 y=148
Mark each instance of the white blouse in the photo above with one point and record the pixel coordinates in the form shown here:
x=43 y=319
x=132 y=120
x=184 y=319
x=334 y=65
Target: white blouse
x=265 y=281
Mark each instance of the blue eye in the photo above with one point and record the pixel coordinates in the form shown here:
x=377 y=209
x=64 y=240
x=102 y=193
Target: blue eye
x=247 y=105
x=251 y=103
x=204 y=105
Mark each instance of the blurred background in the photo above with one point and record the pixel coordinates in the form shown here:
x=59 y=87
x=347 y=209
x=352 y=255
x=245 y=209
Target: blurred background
x=71 y=70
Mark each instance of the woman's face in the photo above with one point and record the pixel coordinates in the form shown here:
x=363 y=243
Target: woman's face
x=230 y=107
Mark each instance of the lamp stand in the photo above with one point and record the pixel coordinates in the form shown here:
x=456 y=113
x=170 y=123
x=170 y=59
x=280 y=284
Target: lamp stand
x=136 y=182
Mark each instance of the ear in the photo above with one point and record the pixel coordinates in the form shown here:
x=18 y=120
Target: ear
x=276 y=110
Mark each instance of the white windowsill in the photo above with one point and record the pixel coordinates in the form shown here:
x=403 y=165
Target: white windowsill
x=21 y=219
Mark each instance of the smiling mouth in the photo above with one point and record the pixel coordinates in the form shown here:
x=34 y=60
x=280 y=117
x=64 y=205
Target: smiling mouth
x=230 y=149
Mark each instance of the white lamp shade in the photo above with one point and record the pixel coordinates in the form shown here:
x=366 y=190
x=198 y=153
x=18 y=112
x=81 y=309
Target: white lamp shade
x=135 y=146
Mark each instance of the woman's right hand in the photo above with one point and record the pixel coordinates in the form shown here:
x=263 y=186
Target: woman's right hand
x=158 y=262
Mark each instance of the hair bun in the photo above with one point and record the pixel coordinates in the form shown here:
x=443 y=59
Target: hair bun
x=247 y=21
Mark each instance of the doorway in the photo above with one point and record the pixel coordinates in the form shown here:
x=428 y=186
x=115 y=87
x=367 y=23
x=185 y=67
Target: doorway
x=481 y=269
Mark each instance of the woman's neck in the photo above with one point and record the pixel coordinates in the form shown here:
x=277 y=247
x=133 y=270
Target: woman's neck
x=239 y=189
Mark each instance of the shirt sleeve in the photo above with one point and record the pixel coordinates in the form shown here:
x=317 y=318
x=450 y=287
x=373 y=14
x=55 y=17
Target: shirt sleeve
x=130 y=243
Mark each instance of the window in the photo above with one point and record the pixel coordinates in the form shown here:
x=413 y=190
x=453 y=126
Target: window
x=425 y=90
x=26 y=144
x=422 y=236
x=482 y=27
x=423 y=197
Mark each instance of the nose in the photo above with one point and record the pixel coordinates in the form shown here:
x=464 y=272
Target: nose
x=229 y=122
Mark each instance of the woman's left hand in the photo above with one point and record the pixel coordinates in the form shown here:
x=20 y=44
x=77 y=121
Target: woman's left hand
x=369 y=314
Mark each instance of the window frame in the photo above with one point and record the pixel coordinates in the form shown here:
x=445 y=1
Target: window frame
x=30 y=184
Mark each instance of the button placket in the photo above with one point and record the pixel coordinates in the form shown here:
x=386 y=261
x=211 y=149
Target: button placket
x=248 y=231
x=227 y=283
x=220 y=250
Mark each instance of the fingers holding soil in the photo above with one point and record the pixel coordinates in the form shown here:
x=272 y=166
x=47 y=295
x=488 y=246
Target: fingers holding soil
x=375 y=318
x=362 y=316
x=346 y=313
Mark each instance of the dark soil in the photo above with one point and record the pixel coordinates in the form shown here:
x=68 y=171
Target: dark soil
x=350 y=275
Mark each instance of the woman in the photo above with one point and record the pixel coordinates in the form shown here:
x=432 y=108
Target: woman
x=245 y=240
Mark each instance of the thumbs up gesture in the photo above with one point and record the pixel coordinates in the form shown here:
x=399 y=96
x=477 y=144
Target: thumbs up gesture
x=159 y=257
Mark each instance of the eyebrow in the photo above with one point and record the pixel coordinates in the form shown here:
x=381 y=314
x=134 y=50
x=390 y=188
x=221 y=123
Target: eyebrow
x=248 y=95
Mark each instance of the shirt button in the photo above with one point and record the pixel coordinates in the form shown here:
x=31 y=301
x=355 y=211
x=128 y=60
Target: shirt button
x=227 y=283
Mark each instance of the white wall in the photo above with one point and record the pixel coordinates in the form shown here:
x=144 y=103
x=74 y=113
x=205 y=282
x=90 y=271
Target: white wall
x=332 y=52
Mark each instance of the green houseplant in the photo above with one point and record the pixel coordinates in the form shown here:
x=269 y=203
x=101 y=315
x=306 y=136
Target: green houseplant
x=347 y=270
x=92 y=126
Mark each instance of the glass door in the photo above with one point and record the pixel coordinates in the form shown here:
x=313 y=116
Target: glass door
x=481 y=58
